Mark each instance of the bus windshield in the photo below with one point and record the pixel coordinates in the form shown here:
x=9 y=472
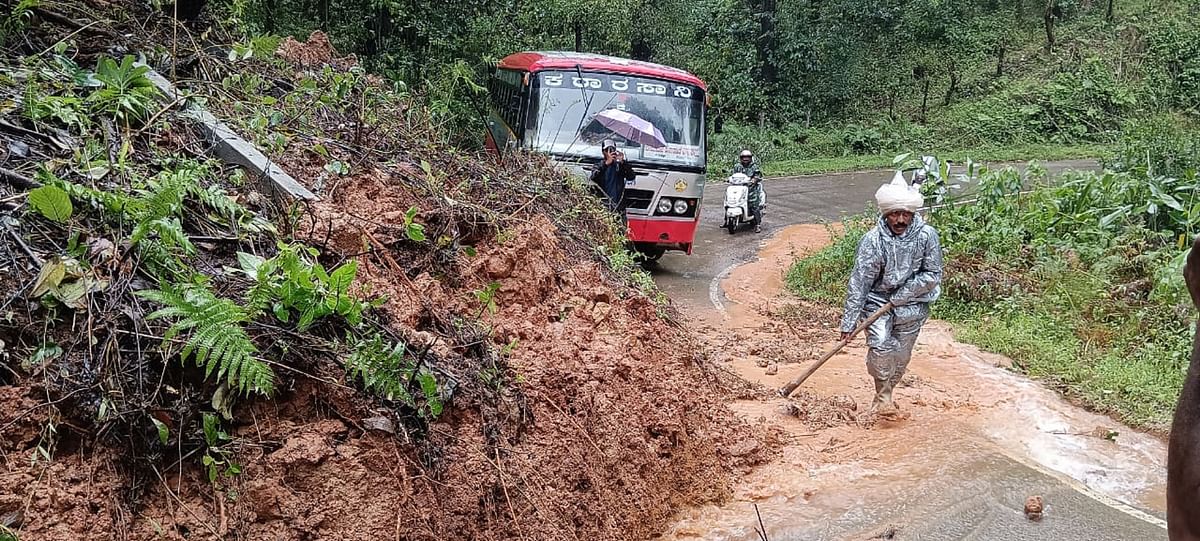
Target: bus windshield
x=562 y=119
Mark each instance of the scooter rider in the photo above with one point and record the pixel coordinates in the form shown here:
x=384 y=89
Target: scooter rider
x=747 y=165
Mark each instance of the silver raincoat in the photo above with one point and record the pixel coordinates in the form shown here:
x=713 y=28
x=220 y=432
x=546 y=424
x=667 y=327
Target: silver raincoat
x=906 y=270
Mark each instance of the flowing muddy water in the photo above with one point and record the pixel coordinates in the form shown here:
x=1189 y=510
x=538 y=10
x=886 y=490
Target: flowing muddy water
x=974 y=439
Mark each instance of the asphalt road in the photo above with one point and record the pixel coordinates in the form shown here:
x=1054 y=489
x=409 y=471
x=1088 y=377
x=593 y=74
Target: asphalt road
x=688 y=280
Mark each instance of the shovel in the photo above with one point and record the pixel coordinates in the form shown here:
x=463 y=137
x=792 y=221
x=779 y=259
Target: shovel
x=788 y=389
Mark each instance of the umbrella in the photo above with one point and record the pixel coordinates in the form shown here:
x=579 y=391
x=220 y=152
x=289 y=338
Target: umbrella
x=632 y=127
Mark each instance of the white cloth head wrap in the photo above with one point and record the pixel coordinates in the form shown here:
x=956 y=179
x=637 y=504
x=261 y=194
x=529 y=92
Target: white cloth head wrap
x=898 y=195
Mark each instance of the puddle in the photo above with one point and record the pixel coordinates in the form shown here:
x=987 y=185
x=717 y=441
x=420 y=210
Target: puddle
x=976 y=439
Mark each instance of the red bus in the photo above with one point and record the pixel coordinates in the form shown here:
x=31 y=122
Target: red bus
x=547 y=102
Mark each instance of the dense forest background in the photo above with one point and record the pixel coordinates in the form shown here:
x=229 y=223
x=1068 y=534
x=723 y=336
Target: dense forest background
x=809 y=78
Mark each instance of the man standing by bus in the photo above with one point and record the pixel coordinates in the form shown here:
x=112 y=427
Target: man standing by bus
x=611 y=175
x=899 y=261
x=746 y=165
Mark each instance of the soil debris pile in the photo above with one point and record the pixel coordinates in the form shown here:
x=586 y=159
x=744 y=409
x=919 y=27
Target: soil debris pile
x=442 y=346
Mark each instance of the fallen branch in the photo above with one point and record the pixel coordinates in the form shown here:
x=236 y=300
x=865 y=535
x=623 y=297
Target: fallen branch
x=19 y=130
x=160 y=112
x=762 y=530
x=19 y=181
x=63 y=20
x=24 y=247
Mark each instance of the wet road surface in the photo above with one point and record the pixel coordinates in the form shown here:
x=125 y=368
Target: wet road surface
x=941 y=477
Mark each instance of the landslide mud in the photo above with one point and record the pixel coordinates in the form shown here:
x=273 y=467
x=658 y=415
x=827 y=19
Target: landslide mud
x=957 y=403
x=613 y=420
x=575 y=408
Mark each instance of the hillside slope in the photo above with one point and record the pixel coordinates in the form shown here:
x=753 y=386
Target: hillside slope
x=441 y=346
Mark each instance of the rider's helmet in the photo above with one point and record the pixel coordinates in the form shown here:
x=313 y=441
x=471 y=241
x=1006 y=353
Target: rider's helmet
x=919 y=176
x=746 y=156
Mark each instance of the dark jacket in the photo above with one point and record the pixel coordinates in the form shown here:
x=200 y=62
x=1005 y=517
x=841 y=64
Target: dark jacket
x=751 y=171
x=610 y=179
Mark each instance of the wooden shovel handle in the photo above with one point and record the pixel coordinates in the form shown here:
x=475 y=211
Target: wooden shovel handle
x=788 y=389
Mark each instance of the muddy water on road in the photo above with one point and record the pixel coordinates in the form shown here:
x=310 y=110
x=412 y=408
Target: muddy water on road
x=960 y=406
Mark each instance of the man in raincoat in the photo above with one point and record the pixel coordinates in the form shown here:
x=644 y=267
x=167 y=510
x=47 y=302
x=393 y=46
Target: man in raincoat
x=746 y=165
x=898 y=261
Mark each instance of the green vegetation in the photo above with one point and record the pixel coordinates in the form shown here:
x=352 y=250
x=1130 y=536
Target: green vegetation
x=217 y=335
x=811 y=86
x=1079 y=282
x=190 y=263
x=822 y=275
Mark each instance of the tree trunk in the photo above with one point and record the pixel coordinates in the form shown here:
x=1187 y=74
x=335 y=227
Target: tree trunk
x=953 y=88
x=269 y=18
x=1108 y=13
x=924 y=99
x=640 y=48
x=323 y=6
x=767 y=42
x=1000 y=61
x=892 y=92
x=764 y=47
x=578 y=37
x=642 y=38
x=1048 y=19
x=185 y=10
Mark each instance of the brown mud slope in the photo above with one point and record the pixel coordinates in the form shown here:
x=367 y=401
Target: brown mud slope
x=611 y=427
x=578 y=411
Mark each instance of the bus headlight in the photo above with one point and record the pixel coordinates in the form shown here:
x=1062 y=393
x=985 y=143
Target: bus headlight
x=681 y=206
x=664 y=205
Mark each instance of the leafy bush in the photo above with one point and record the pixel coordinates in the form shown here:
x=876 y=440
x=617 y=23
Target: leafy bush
x=1084 y=104
x=1078 y=281
x=1164 y=144
x=389 y=370
x=1173 y=51
x=126 y=92
x=293 y=285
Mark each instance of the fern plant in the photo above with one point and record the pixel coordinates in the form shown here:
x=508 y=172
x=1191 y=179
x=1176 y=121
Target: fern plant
x=17 y=20
x=383 y=369
x=216 y=338
x=185 y=179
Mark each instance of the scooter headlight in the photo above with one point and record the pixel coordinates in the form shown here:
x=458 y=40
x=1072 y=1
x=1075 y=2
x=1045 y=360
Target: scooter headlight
x=664 y=205
x=681 y=206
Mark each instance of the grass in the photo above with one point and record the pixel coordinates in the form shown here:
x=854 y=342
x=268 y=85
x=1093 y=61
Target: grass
x=1015 y=153
x=1129 y=382
x=822 y=275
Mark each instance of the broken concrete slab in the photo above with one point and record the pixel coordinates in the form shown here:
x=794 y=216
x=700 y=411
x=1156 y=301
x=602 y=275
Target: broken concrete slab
x=232 y=148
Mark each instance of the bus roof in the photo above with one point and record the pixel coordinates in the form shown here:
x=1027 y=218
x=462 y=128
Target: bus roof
x=544 y=60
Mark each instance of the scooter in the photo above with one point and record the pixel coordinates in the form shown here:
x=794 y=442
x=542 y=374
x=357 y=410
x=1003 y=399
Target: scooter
x=737 y=201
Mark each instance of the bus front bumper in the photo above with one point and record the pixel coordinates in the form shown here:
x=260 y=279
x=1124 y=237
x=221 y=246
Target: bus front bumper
x=663 y=234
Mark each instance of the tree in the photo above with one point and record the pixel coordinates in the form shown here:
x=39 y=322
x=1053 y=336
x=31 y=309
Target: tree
x=1048 y=16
